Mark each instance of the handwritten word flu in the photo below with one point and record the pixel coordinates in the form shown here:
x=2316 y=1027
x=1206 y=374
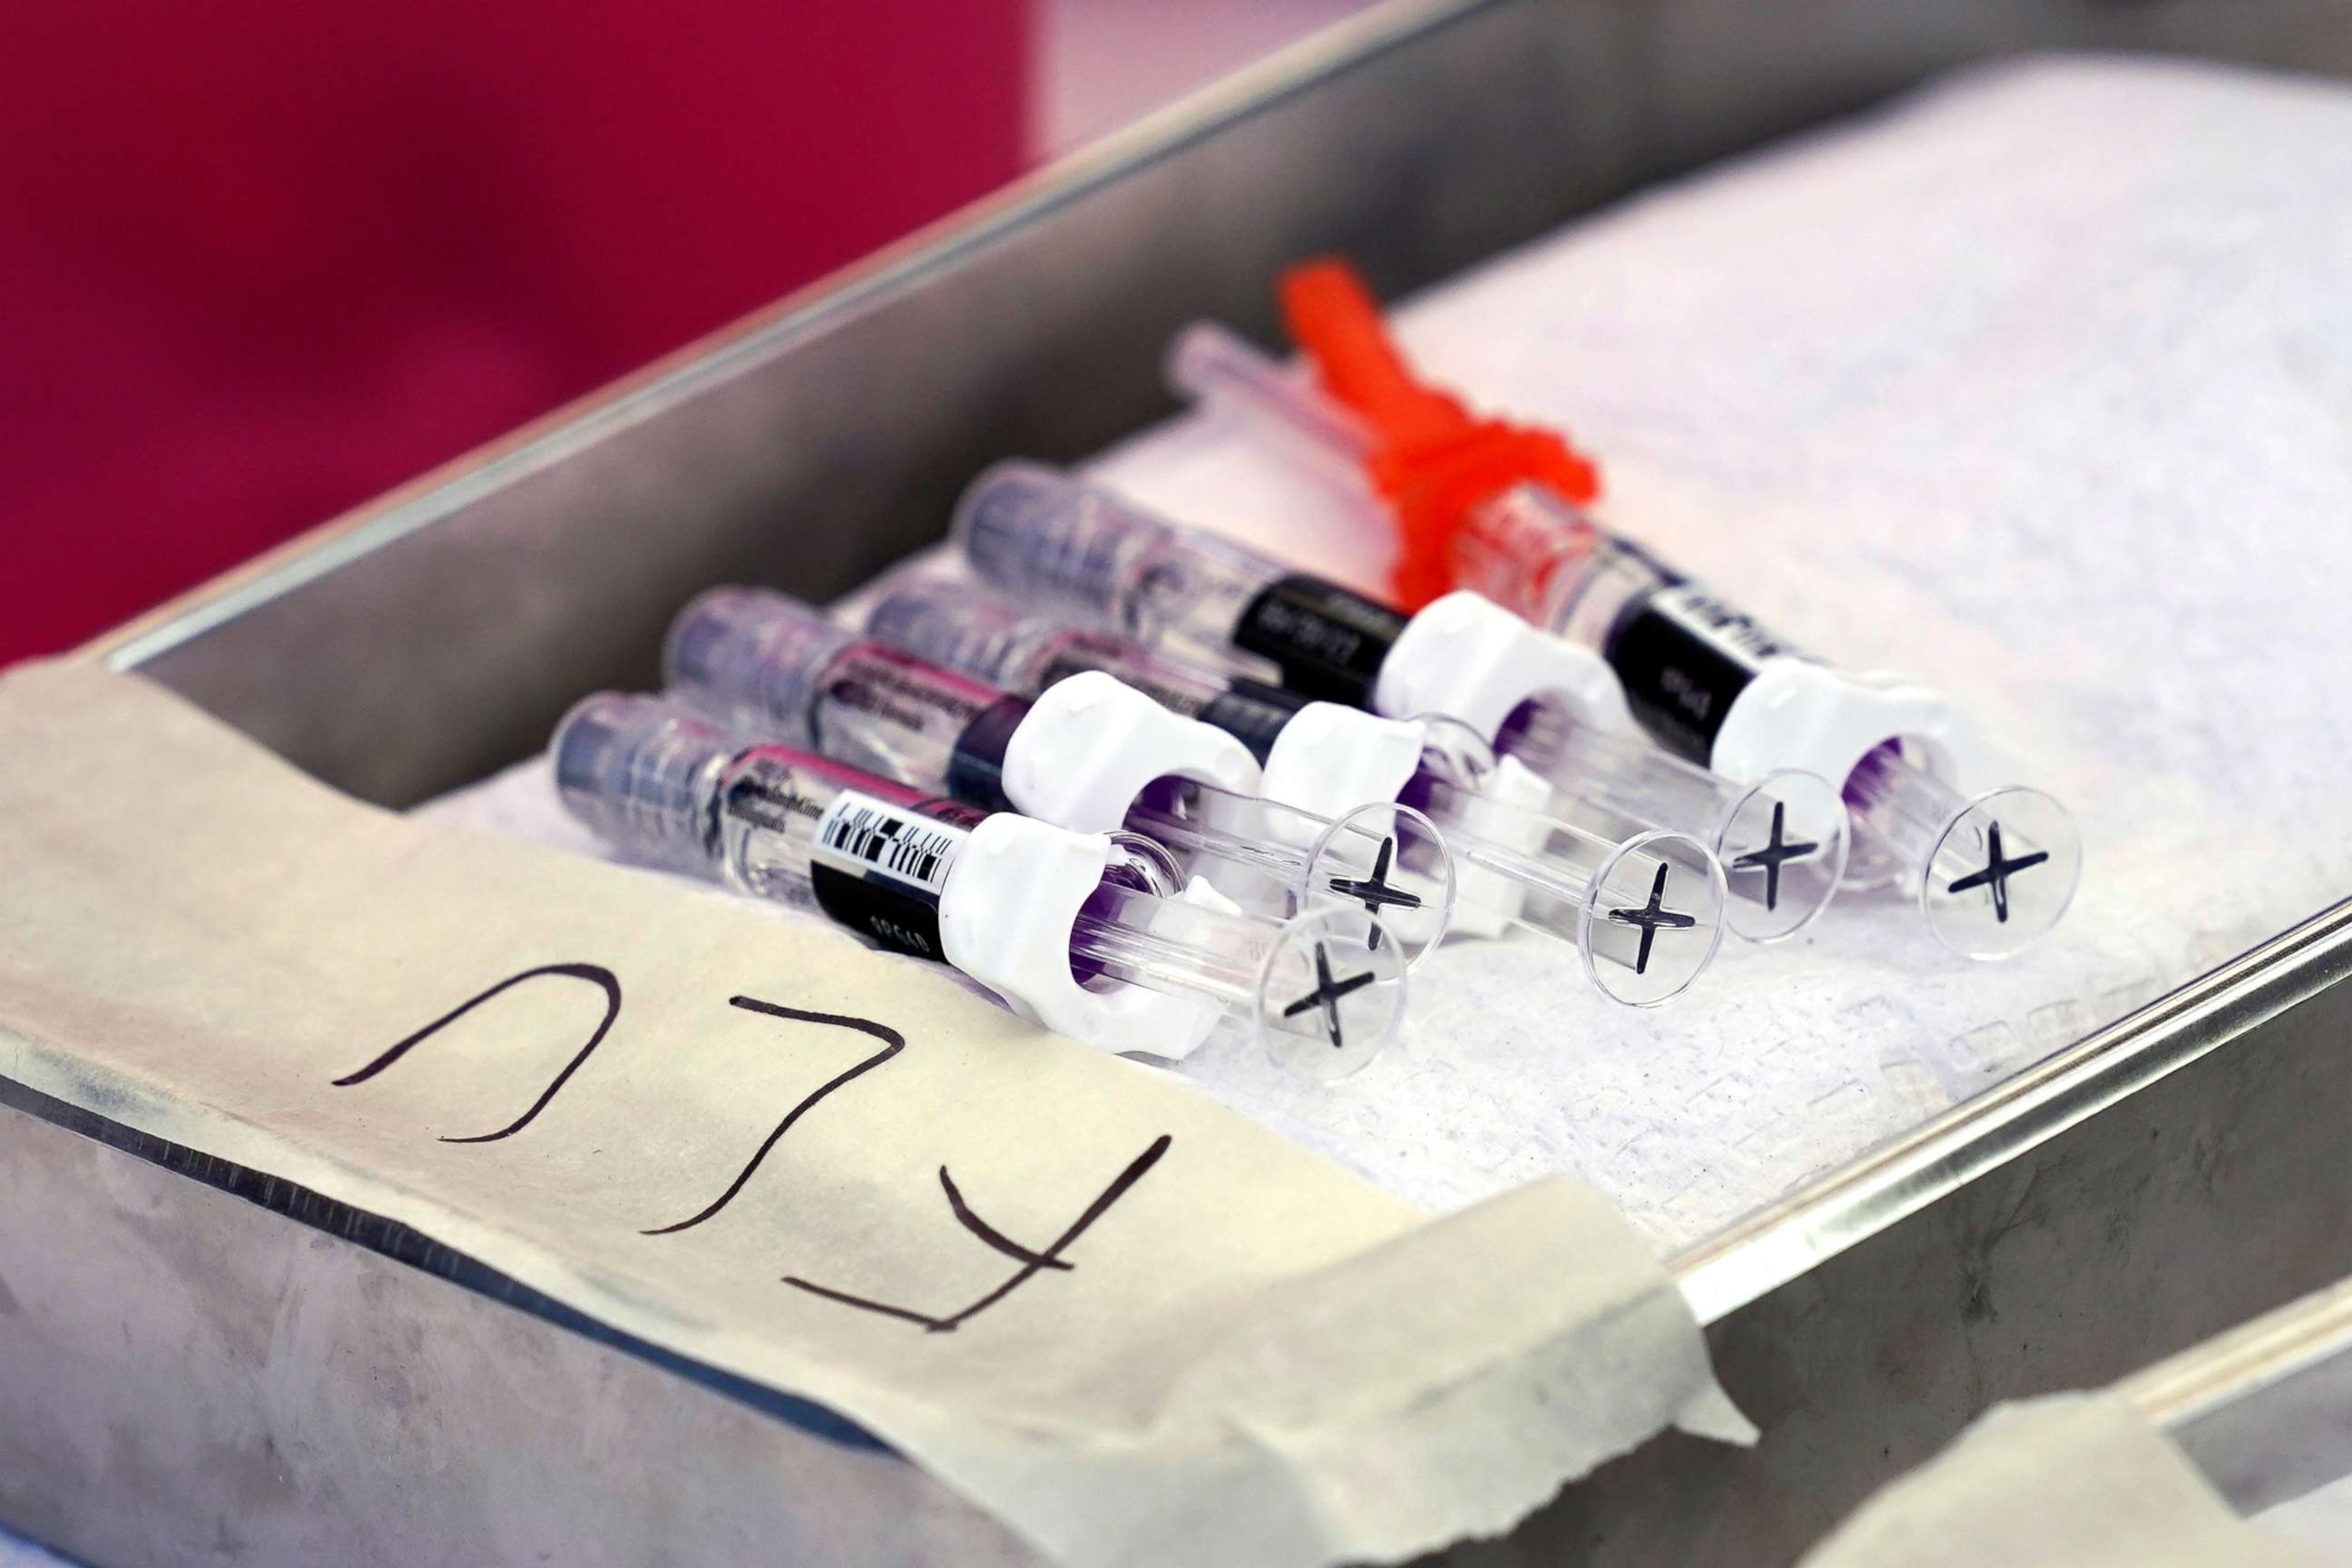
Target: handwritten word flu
x=1030 y=1262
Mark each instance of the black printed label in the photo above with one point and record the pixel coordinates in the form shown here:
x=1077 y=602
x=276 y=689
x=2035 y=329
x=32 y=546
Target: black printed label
x=1328 y=642
x=880 y=868
x=976 y=760
x=1684 y=658
x=1251 y=714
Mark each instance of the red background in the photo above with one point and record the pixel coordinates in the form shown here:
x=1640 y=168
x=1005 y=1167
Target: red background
x=261 y=261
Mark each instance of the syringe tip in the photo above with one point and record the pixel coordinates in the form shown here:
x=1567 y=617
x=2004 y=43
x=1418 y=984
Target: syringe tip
x=752 y=657
x=636 y=771
x=1039 y=534
x=954 y=623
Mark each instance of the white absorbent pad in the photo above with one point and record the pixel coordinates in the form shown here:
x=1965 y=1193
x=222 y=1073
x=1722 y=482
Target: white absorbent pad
x=2036 y=385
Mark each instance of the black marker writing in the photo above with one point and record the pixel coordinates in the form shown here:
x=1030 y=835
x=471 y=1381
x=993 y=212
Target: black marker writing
x=1032 y=1264
x=989 y=1233
x=1997 y=872
x=893 y=1042
x=595 y=974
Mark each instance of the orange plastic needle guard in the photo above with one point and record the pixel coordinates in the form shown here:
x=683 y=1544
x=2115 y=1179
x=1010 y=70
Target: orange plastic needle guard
x=1432 y=459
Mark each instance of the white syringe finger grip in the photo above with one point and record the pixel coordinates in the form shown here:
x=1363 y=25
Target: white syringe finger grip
x=1007 y=920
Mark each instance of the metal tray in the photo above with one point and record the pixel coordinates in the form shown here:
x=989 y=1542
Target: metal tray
x=2170 y=1175
x=2265 y=1410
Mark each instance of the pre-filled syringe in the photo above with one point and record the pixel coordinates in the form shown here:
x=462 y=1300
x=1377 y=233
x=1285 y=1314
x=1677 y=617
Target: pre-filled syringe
x=1082 y=932
x=1781 y=841
x=1644 y=910
x=1705 y=679
x=1088 y=753
x=1049 y=538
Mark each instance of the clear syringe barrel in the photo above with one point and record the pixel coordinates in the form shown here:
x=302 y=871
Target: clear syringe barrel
x=772 y=666
x=1781 y=841
x=1384 y=858
x=1053 y=539
x=681 y=789
x=1050 y=539
x=982 y=634
x=1228 y=375
x=1992 y=872
x=1325 y=991
x=1645 y=913
x=675 y=787
x=1527 y=550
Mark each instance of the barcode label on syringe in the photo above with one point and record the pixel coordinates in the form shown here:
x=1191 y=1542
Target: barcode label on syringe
x=859 y=833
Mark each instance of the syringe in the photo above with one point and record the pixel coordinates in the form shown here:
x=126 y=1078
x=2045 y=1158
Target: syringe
x=982 y=633
x=1516 y=867
x=1049 y=538
x=1088 y=753
x=1707 y=681
x=1646 y=913
x=1311 y=761
x=1082 y=932
x=1782 y=841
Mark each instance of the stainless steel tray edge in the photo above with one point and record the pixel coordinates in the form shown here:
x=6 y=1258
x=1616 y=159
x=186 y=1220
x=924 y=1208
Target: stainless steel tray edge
x=2264 y=1410
x=1779 y=1243
x=2162 y=1182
